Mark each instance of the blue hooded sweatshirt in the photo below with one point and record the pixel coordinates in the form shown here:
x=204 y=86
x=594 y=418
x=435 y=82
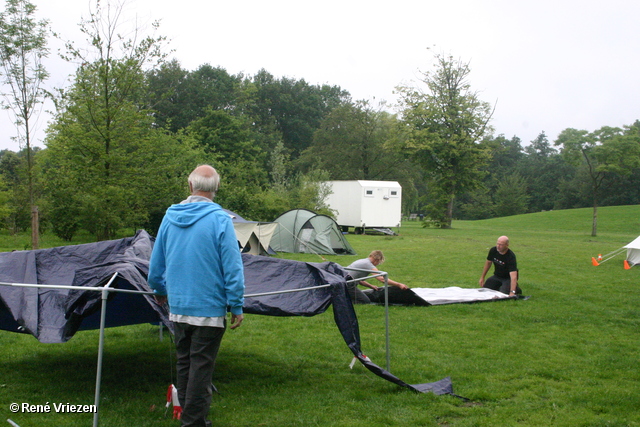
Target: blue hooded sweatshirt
x=196 y=260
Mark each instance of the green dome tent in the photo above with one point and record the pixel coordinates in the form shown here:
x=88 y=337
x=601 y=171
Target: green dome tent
x=304 y=231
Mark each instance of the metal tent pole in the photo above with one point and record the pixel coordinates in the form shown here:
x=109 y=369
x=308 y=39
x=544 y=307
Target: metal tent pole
x=103 y=317
x=386 y=318
x=105 y=295
x=385 y=275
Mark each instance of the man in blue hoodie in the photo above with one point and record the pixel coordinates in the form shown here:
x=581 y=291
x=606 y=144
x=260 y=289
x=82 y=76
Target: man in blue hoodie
x=196 y=266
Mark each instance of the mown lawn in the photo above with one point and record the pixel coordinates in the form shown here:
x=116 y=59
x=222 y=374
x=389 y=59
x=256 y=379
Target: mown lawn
x=568 y=356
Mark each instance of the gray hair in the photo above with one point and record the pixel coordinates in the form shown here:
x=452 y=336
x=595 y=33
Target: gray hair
x=207 y=183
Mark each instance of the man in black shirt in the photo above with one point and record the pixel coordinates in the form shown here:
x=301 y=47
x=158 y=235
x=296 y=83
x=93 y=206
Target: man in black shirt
x=505 y=273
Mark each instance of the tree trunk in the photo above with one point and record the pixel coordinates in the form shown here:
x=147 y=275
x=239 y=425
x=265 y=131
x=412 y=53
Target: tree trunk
x=449 y=212
x=594 y=226
x=35 y=218
x=35 y=228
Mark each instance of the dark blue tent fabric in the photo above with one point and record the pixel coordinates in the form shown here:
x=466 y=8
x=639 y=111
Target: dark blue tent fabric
x=54 y=316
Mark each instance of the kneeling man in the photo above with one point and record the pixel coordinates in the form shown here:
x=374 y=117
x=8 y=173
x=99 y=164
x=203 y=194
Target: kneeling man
x=505 y=273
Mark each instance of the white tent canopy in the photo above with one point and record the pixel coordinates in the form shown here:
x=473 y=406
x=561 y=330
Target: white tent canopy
x=633 y=252
x=253 y=237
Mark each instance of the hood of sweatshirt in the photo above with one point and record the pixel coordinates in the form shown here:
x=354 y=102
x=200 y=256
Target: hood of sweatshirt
x=187 y=214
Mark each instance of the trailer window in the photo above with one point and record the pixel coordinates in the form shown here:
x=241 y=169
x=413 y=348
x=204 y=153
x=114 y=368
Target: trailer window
x=368 y=193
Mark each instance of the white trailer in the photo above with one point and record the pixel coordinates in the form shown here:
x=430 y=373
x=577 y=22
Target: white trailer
x=366 y=204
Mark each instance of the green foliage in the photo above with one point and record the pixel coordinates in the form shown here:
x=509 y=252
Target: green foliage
x=304 y=191
x=544 y=169
x=511 y=196
x=178 y=97
x=310 y=191
x=144 y=173
x=5 y=198
x=227 y=137
x=278 y=162
x=167 y=162
x=15 y=173
x=350 y=144
x=477 y=205
x=129 y=114
x=626 y=190
x=293 y=107
x=65 y=217
x=353 y=142
x=437 y=211
x=495 y=198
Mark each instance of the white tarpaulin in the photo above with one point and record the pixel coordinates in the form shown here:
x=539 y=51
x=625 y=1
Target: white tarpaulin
x=454 y=294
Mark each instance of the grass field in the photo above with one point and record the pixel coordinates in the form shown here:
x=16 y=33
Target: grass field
x=568 y=356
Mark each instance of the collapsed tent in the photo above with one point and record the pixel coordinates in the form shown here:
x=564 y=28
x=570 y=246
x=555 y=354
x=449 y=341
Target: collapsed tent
x=275 y=287
x=253 y=237
x=304 y=231
x=55 y=315
x=263 y=274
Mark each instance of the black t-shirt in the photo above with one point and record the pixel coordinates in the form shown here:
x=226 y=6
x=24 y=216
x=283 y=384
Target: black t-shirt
x=504 y=264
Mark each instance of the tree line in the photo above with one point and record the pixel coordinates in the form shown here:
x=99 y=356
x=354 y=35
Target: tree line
x=134 y=123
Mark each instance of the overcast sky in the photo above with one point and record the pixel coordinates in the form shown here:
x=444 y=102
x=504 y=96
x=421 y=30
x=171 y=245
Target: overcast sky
x=546 y=65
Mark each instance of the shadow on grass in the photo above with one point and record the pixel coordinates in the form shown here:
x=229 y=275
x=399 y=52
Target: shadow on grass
x=133 y=363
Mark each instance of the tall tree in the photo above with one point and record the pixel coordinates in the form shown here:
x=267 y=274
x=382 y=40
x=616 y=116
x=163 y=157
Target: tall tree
x=23 y=46
x=603 y=152
x=103 y=153
x=443 y=127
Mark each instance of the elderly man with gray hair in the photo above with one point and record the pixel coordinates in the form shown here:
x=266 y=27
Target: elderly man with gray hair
x=196 y=267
